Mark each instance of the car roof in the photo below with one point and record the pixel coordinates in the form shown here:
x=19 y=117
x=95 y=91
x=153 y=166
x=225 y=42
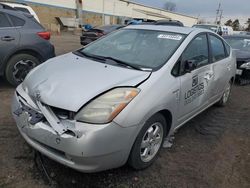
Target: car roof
x=237 y=36
x=14 y=3
x=174 y=29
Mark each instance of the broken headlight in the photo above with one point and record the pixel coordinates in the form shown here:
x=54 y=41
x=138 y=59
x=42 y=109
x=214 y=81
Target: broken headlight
x=245 y=66
x=106 y=107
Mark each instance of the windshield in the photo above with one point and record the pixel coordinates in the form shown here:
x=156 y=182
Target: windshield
x=141 y=48
x=239 y=43
x=210 y=27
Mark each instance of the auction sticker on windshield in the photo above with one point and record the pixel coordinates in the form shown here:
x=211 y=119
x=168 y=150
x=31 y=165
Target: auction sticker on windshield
x=171 y=37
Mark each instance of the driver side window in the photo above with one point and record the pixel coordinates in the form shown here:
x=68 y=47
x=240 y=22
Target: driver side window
x=196 y=53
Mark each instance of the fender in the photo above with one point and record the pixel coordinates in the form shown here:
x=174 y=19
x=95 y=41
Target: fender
x=31 y=49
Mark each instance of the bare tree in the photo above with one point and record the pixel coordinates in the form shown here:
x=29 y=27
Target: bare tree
x=171 y=6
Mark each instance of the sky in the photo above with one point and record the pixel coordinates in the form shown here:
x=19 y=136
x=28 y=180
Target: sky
x=206 y=9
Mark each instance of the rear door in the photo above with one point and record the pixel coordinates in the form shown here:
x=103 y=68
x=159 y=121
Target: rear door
x=197 y=85
x=9 y=36
x=220 y=64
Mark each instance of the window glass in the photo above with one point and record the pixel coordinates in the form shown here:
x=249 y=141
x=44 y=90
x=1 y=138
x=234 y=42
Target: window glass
x=23 y=9
x=239 y=43
x=16 y=21
x=4 y=22
x=143 y=48
x=197 y=52
x=218 y=51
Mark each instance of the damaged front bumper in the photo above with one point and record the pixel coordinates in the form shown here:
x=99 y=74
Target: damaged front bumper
x=84 y=147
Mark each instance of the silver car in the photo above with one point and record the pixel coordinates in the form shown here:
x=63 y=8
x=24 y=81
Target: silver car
x=117 y=99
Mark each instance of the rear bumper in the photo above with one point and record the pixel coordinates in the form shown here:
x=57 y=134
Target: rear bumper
x=96 y=148
x=48 y=52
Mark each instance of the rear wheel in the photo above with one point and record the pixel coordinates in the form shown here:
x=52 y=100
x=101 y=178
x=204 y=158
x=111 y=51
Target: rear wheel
x=148 y=143
x=18 y=67
x=225 y=97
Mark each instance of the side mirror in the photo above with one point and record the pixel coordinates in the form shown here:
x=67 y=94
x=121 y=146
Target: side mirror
x=220 y=33
x=189 y=66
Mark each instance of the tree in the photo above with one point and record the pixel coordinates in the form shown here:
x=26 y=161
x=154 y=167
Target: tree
x=229 y=23
x=248 y=25
x=171 y=6
x=236 y=25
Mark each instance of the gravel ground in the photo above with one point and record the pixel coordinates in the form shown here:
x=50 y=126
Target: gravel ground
x=212 y=150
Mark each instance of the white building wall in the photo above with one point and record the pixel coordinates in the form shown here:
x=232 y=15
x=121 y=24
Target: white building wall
x=119 y=8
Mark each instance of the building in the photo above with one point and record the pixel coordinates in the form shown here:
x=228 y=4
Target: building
x=100 y=12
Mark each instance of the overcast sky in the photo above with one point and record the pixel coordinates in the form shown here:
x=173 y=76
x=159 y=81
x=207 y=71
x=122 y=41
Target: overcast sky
x=207 y=8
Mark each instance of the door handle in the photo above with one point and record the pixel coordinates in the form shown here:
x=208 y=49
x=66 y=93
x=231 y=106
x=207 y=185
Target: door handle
x=229 y=67
x=7 y=38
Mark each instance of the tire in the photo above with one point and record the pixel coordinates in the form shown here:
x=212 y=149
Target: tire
x=138 y=156
x=226 y=95
x=18 y=67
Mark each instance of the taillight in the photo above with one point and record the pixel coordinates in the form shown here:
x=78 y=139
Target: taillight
x=45 y=35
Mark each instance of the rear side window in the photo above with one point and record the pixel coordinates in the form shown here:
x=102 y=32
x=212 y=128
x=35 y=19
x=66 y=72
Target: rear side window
x=23 y=9
x=218 y=50
x=4 y=22
x=17 y=21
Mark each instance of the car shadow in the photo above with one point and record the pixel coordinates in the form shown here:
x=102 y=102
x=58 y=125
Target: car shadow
x=4 y=84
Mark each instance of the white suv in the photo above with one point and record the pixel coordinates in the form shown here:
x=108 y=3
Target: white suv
x=22 y=7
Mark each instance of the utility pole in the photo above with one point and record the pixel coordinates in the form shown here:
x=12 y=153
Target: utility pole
x=79 y=12
x=220 y=16
x=103 y=15
x=219 y=13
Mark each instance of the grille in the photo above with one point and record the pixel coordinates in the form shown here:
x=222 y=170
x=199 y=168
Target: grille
x=63 y=114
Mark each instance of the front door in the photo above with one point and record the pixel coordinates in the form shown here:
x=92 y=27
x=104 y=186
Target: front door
x=197 y=85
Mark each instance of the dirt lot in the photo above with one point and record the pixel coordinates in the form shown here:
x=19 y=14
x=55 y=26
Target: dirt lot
x=212 y=150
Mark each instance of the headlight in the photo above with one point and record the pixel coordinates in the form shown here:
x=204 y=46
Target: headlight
x=106 y=107
x=245 y=66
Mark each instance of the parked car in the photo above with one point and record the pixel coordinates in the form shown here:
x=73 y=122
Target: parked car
x=168 y=22
x=221 y=30
x=118 y=98
x=242 y=45
x=24 y=44
x=21 y=7
x=244 y=33
x=97 y=32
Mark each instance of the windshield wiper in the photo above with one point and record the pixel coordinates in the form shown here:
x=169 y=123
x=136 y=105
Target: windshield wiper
x=117 y=61
x=92 y=56
x=120 y=62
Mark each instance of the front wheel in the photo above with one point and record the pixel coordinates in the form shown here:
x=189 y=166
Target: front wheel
x=18 y=67
x=225 y=97
x=148 y=143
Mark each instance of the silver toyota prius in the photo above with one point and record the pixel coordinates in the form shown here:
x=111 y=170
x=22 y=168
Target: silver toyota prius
x=119 y=98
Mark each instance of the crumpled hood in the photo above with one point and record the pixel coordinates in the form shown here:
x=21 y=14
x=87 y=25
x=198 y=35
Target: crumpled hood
x=70 y=81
